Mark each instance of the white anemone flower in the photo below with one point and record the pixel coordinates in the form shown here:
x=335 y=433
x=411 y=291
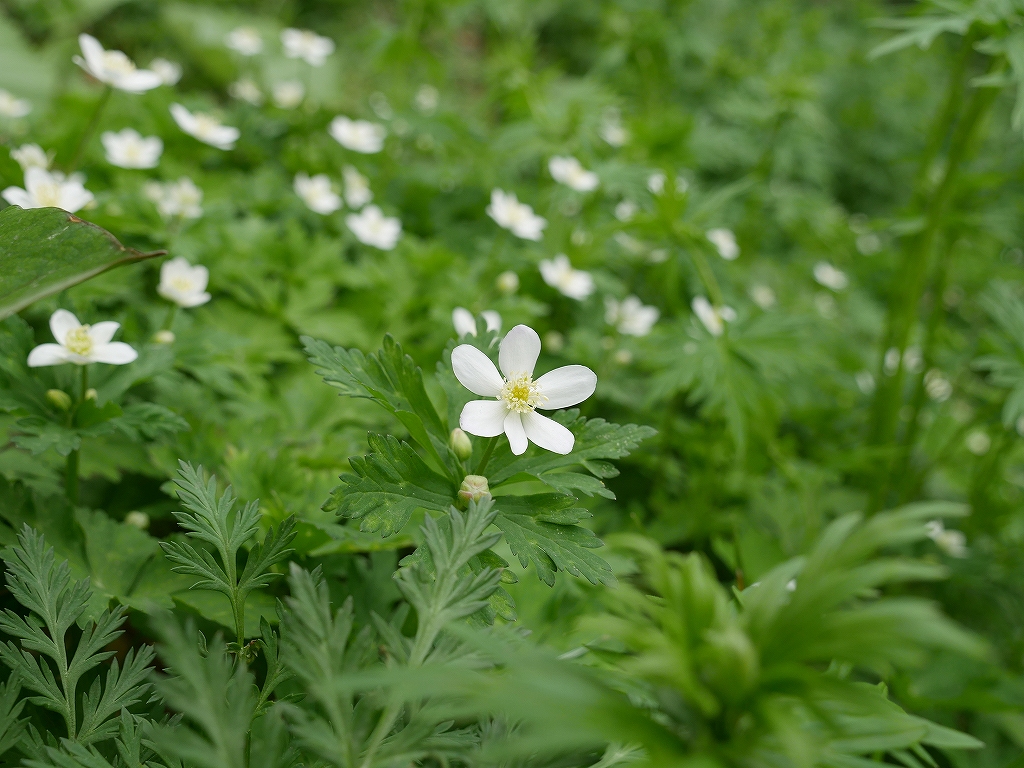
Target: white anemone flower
x=44 y=189
x=762 y=295
x=177 y=198
x=114 y=68
x=514 y=216
x=713 y=318
x=169 y=71
x=205 y=128
x=612 y=130
x=288 y=94
x=316 y=193
x=308 y=46
x=630 y=316
x=427 y=97
x=357 y=187
x=569 y=171
x=358 y=135
x=953 y=543
x=130 y=149
x=244 y=40
x=246 y=90
x=516 y=395
x=830 y=277
x=81 y=344
x=30 y=156
x=182 y=283
x=560 y=275
x=656 y=183
x=465 y=322
x=12 y=107
x=725 y=241
x=372 y=227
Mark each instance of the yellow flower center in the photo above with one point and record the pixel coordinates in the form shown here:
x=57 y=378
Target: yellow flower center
x=116 y=61
x=521 y=394
x=79 y=341
x=48 y=195
x=182 y=284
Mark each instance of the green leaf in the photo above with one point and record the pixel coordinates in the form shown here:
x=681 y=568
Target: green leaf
x=45 y=250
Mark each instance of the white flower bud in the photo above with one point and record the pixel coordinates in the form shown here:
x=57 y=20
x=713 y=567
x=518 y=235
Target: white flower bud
x=59 y=398
x=460 y=443
x=475 y=488
x=139 y=519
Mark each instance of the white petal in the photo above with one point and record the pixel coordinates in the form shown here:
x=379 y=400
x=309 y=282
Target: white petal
x=492 y=318
x=516 y=434
x=484 y=418
x=102 y=333
x=115 y=353
x=565 y=386
x=61 y=322
x=48 y=354
x=519 y=351
x=463 y=321
x=18 y=196
x=475 y=371
x=548 y=433
x=92 y=50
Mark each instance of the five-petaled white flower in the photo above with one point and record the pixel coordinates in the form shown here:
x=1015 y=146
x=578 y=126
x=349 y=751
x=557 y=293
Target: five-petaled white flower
x=169 y=71
x=358 y=135
x=205 y=128
x=176 y=198
x=514 y=216
x=725 y=241
x=130 y=149
x=560 y=275
x=357 y=187
x=372 y=227
x=316 y=193
x=44 y=189
x=713 y=318
x=308 y=46
x=182 y=283
x=30 y=156
x=465 y=323
x=953 y=543
x=288 y=94
x=81 y=344
x=244 y=40
x=569 y=171
x=830 y=277
x=516 y=394
x=114 y=68
x=630 y=316
x=13 y=107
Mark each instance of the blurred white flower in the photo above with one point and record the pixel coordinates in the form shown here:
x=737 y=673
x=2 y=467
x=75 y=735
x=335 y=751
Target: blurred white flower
x=630 y=316
x=612 y=130
x=830 y=277
x=465 y=322
x=182 y=283
x=381 y=106
x=316 y=192
x=426 y=99
x=168 y=71
x=357 y=187
x=518 y=218
x=725 y=241
x=177 y=198
x=569 y=171
x=869 y=243
x=713 y=318
x=44 y=189
x=372 y=227
x=358 y=135
x=114 y=68
x=937 y=386
x=13 y=107
x=514 y=395
x=978 y=442
x=129 y=149
x=30 y=156
x=163 y=336
x=308 y=46
x=656 y=183
x=244 y=40
x=682 y=184
x=205 y=128
x=288 y=94
x=763 y=296
x=246 y=90
x=81 y=344
x=953 y=543
x=507 y=282
x=865 y=382
x=625 y=210
x=891 y=361
x=560 y=275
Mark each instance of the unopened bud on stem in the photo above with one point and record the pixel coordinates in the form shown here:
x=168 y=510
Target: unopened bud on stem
x=475 y=488
x=461 y=444
x=91 y=394
x=59 y=398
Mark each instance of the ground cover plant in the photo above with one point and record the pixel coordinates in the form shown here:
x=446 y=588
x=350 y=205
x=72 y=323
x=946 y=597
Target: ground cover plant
x=511 y=383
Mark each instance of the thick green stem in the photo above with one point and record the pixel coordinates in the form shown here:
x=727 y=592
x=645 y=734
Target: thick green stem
x=482 y=465
x=90 y=129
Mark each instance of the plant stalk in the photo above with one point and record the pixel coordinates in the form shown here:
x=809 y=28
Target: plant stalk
x=90 y=129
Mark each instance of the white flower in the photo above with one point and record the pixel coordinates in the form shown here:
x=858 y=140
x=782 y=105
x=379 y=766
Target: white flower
x=713 y=318
x=316 y=193
x=763 y=296
x=244 y=40
x=308 y=46
x=246 y=90
x=177 y=198
x=630 y=316
x=625 y=210
x=205 y=128
x=507 y=282
x=358 y=135
x=182 y=283
x=465 y=323
x=81 y=344
x=559 y=274
x=978 y=442
x=169 y=71
x=129 y=149
x=725 y=241
x=937 y=386
x=30 y=156
x=953 y=543
x=50 y=190
x=516 y=395
x=357 y=187
x=13 y=107
x=569 y=171
x=426 y=98
x=114 y=68
x=289 y=94
x=372 y=227
x=514 y=216
x=612 y=130
x=865 y=381
x=830 y=277
x=656 y=183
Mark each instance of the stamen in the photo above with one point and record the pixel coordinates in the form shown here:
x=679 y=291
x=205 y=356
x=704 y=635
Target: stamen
x=521 y=394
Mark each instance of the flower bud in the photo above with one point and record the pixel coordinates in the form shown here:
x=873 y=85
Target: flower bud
x=474 y=487
x=508 y=282
x=164 y=337
x=59 y=398
x=460 y=443
x=91 y=394
x=139 y=519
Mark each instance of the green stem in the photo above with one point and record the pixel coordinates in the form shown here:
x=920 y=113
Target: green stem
x=238 y=609
x=71 y=470
x=172 y=313
x=90 y=129
x=482 y=465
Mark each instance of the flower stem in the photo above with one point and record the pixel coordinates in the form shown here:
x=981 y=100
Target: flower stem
x=90 y=129
x=491 y=444
x=71 y=470
x=172 y=313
